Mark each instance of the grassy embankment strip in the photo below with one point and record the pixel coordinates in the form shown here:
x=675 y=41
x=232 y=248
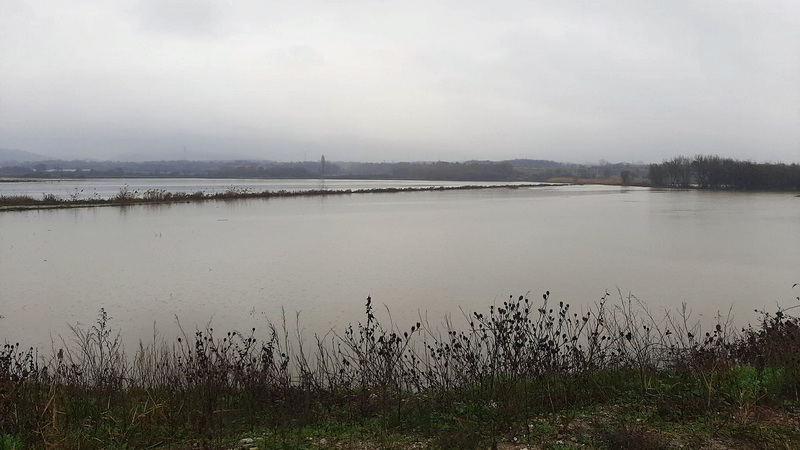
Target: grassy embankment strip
x=520 y=374
x=613 y=181
x=160 y=196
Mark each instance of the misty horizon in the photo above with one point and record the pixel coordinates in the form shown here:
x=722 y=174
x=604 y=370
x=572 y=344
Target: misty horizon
x=13 y=156
x=21 y=156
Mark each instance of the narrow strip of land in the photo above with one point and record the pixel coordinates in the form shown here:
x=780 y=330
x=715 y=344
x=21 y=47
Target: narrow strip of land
x=160 y=196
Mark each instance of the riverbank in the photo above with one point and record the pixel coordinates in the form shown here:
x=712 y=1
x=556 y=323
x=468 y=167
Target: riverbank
x=524 y=374
x=126 y=197
x=612 y=181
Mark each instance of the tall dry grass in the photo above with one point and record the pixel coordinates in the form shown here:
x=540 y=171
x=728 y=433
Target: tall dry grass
x=514 y=359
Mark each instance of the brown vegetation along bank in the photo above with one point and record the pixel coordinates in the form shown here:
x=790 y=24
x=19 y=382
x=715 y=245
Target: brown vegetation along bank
x=127 y=197
x=612 y=181
x=523 y=373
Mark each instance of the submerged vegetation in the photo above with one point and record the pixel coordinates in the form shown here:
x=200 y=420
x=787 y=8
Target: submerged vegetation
x=129 y=197
x=522 y=373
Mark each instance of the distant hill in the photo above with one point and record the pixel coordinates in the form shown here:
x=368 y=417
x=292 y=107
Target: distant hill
x=191 y=155
x=537 y=163
x=7 y=155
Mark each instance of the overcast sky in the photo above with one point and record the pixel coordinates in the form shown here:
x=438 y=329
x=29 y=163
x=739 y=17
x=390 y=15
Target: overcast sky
x=573 y=81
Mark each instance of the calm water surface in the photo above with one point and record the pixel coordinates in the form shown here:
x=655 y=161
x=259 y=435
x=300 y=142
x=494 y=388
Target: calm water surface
x=237 y=263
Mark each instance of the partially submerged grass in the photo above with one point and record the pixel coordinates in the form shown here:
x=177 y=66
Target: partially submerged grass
x=160 y=196
x=612 y=376
x=611 y=181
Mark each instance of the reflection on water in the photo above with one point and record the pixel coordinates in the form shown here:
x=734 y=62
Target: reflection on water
x=237 y=263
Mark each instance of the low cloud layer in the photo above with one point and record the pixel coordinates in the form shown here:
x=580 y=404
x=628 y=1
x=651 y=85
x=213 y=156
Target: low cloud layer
x=374 y=80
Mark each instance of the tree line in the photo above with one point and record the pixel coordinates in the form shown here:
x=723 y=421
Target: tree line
x=715 y=172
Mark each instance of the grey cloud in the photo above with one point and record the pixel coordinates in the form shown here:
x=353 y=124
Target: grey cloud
x=190 y=18
x=576 y=81
x=298 y=56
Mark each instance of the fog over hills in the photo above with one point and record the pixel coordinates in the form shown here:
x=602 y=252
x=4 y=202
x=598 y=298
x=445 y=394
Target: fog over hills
x=183 y=155
x=8 y=155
